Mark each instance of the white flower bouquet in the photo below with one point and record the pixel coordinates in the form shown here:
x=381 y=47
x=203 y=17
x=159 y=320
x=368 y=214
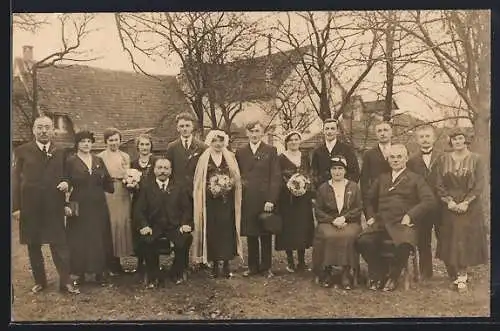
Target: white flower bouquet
x=220 y=184
x=298 y=184
x=132 y=178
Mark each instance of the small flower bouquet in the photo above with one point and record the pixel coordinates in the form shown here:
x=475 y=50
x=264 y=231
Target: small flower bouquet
x=132 y=178
x=298 y=184
x=220 y=184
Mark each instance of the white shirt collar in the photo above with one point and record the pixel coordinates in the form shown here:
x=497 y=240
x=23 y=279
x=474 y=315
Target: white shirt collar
x=40 y=145
x=396 y=174
x=254 y=147
x=330 y=144
x=160 y=183
x=189 y=140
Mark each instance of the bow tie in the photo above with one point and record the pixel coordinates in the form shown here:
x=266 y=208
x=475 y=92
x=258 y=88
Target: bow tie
x=427 y=152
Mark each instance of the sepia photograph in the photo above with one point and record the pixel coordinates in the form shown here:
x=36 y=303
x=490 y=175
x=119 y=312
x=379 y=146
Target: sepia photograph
x=235 y=166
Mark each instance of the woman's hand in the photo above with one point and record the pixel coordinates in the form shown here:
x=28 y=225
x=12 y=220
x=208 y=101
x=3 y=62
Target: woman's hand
x=146 y=230
x=462 y=207
x=67 y=211
x=452 y=205
x=339 y=222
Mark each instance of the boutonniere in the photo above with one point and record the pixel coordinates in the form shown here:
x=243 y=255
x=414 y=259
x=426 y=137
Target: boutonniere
x=393 y=186
x=49 y=155
x=193 y=155
x=349 y=193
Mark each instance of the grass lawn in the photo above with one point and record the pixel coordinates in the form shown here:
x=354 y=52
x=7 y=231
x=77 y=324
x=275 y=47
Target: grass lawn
x=286 y=296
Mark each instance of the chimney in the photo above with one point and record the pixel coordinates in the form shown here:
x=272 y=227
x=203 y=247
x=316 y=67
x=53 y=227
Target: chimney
x=28 y=53
x=269 y=44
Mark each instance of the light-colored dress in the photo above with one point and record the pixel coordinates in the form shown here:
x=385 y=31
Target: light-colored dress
x=119 y=203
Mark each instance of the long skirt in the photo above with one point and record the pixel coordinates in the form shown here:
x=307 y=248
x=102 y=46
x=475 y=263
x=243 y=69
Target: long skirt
x=119 y=216
x=463 y=238
x=221 y=229
x=335 y=247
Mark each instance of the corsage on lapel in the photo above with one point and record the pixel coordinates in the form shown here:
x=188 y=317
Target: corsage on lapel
x=195 y=154
x=348 y=198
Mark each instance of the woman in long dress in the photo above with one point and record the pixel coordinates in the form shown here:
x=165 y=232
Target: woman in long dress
x=144 y=163
x=460 y=183
x=296 y=211
x=119 y=203
x=89 y=237
x=338 y=212
x=216 y=236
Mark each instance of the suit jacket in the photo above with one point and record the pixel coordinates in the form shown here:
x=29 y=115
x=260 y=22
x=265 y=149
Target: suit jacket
x=184 y=162
x=34 y=192
x=408 y=195
x=261 y=181
x=417 y=165
x=162 y=211
x=320 y=162
x=374 y=164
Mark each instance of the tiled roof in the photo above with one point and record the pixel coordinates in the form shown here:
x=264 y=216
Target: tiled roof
x=377 y=106
x=98 y=98
x=246 y=80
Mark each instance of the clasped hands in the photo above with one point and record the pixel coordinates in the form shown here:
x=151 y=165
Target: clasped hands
x=406 y=220
x=148 y=231
x=459 y=208
x=339 y=222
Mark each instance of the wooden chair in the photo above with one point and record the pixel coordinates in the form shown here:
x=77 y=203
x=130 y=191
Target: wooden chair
x=411 y=272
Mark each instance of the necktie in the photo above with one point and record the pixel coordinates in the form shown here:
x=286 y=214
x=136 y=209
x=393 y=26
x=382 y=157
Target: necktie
x=163 y=187
x=186 y=144
x=44 y=149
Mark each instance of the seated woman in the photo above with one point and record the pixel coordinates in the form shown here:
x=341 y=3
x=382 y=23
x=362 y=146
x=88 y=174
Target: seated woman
x=338 y=212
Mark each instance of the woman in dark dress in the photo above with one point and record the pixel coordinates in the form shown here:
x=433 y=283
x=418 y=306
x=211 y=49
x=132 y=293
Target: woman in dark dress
x=460 y=183
x=216 y=236
x=89 y=232
x=144 y=163
x=338 y=212
x=296 y=211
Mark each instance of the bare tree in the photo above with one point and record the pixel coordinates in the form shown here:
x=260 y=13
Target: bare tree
x=74 y=29
x=28 y=22
x=204 y=43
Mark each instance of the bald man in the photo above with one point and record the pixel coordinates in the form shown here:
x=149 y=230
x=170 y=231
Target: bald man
x=396 y=203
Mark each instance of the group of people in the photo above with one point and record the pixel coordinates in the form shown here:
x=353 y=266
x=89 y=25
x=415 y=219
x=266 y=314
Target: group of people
x=202 y=198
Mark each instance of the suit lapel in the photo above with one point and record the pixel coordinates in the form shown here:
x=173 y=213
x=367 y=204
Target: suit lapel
x=398 y=180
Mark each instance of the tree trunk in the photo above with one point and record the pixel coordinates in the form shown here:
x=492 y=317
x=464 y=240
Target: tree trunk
x=389 y=62
x=35 y=94
x=324 y=105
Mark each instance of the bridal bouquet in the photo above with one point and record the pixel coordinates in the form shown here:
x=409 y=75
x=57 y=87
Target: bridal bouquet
x=220 y=184
x=298 y=184
x=132 y=178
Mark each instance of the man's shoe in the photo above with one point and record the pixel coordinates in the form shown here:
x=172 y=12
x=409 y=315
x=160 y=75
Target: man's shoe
x=373 y=285
x=269 y=274
x=69 y=289
x=390 y=286
x=37 y=288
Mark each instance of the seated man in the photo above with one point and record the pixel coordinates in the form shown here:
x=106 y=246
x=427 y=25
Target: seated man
x=163 y=210
x=396 y=201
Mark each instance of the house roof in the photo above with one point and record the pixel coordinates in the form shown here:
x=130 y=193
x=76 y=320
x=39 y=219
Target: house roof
x=377 y=106
x=247 y=80
x=99 y=98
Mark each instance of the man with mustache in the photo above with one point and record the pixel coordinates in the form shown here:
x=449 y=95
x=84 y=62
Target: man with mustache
x=426 y=163
x=397 y=201
x=39 y=186
x=163 y=209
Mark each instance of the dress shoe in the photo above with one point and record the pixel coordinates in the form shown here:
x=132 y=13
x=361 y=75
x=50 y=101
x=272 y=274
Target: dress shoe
x=249 y=273
x=69 y=289
x=290 y=268
x=268 y=274
x=302 y=267
x=390 y=286
x=151 y=285
x=374 y=285
x=179 y=281
x=37 y=288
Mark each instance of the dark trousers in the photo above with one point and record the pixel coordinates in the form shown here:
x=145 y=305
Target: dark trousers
x=259 y=258
x=60 y=256
x=371 y=246
x=182 y=244
x=424 y=244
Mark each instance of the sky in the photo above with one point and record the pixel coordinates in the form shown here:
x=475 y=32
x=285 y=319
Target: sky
x=104 y=45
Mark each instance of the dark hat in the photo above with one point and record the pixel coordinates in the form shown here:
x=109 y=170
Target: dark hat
x=338 y=161
x=84 y=134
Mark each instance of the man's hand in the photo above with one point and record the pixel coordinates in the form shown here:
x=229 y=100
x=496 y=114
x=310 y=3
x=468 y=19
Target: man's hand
x=370 y=221
x=63 y=187
x=339 y=222
x=268 y=207
x=16 y=214
x=146 y=231
x=185 y=229
x=452 y=205
x=406 y=221
x=67 y=211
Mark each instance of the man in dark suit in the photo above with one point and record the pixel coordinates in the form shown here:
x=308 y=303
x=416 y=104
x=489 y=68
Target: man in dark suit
x=184 y=152
x=163 y=210
x=375 y=159
x=261 y=179
x=426 y=163
x=400 y=199
x=330 y=147
x=39 y=186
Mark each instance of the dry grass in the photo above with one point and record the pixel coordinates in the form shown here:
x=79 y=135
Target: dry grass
x=285 y=296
